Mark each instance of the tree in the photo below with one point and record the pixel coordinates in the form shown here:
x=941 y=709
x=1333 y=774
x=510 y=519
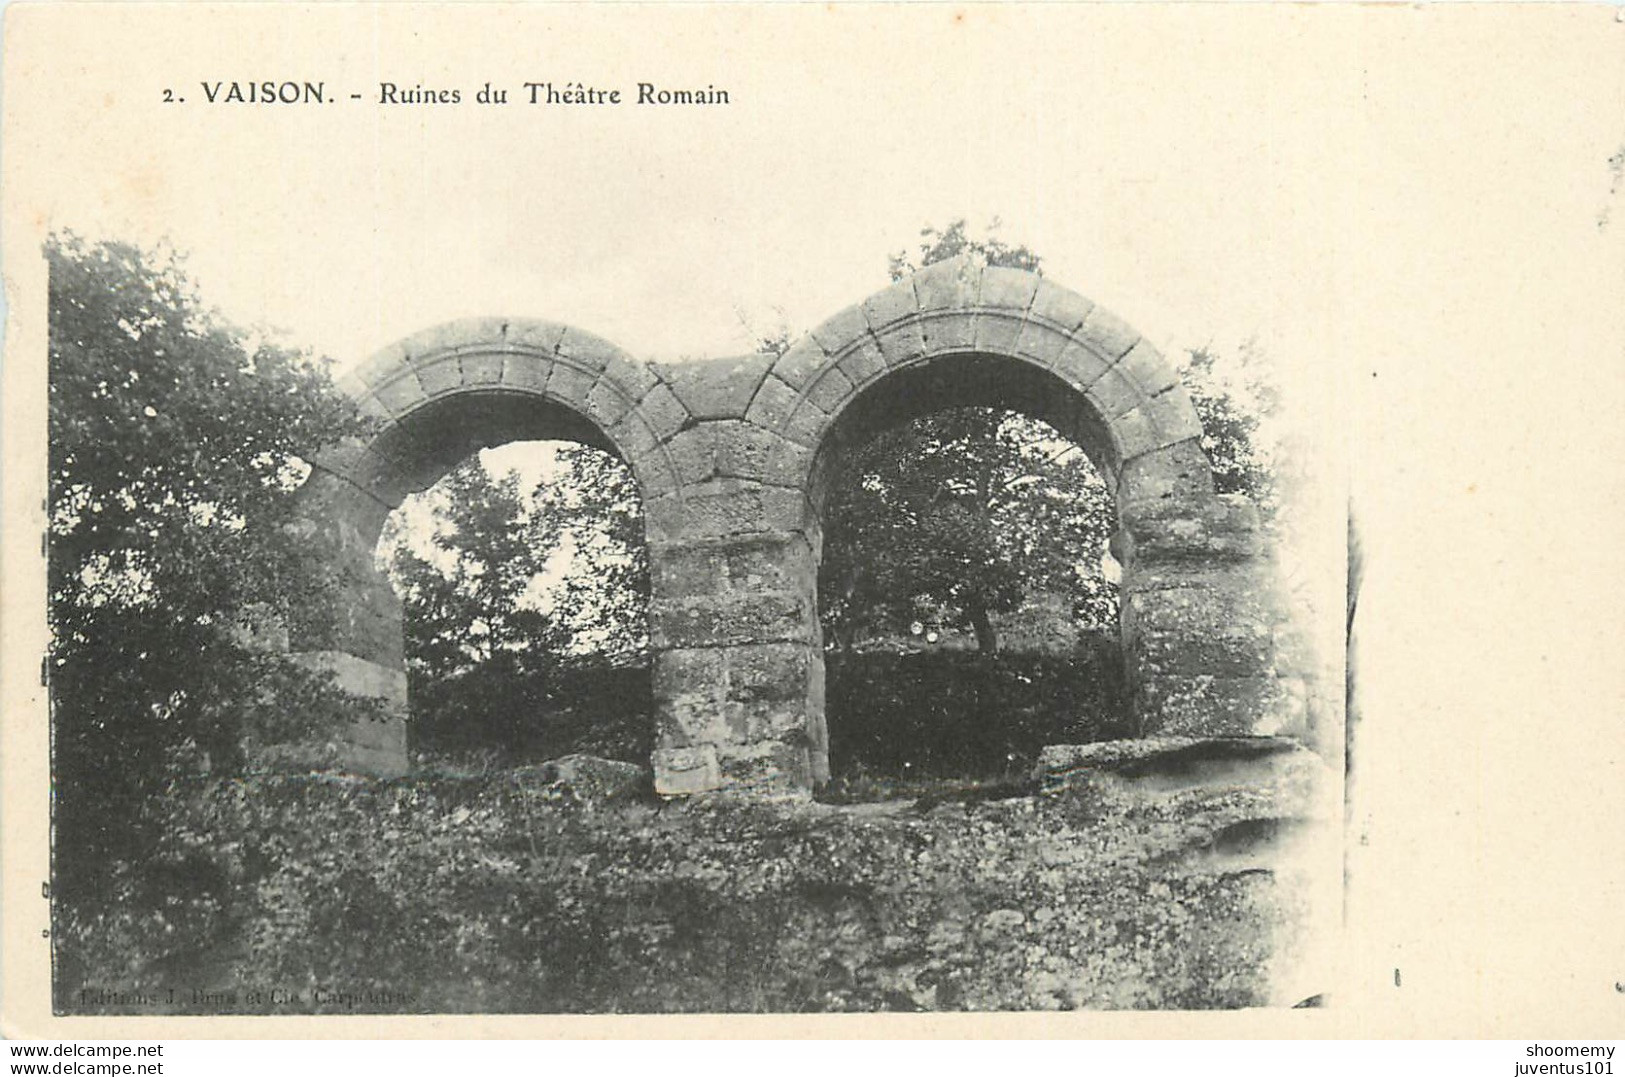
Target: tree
x=520 y=595
x=175 y=443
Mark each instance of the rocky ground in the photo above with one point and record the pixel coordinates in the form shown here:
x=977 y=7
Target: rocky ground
x=1126 y=875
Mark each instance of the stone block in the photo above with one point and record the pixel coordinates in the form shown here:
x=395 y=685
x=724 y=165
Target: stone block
x=686 y=771
x=1146 y=369
x=1214 y=528
x=721 y=506
x=634 y=376
x=841 y=331
x=1007 y=288
x=745 y=451
x=1172 y=705
x=772 y=405
x=571 y=384
x=534 y=335
x=807 y=425
x=634 y=437
x=949 y=285
x=1204 y=610
x=891 y=305
x=383 y=365
x=769 y=769
x=948 y=332
x=1080 y=367
x=688 y=686
x=482 y=368
x=997 y=333
x=1043 y=344
x=1106 y=334
x=460 y=333
x=718 y=388
x=370 y=408
x=1113 y=395
x=731 y=620
x=863 y=362
x=607 y=403
x=1179 y=473
x=401 y=395
x=526 y=372
x=768 y=673
x=1133 y=434
x=1062 y=308
x=1162 y=772
x=801 y=363
x=589 y=779
x=588 y=351
x=693 y=453
x=1231 y=650
x=829 y=391
x=1173 y=415
x=663 y=412
x=901 y=343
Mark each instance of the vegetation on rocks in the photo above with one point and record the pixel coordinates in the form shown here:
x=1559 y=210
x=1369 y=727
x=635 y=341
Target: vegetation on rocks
x=510 y=895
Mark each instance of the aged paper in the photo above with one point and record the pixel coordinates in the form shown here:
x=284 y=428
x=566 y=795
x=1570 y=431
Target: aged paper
x=1415 y=212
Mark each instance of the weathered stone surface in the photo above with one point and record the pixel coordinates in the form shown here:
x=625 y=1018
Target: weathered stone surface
x=772 y=405
x=571 y=384
x=890 y=305
x=663 y=412
x=588 y=351
x=440 y=375
x=1172 y=704
x=732 y=456
x=725 y=506
x=948 y=332
x=948 y=285
x=829 y=389
x=801 y=363
x=1065 y=309
x=862 y=362
x=1107 y=334
x=718 y=388
x=686 y=771
x=767 y=769
x=719 y=622
x=841 y=331
x=589 y=779
x=483 y=368
x=1217 y=528
x=526 y=371
x=901 y=343
x=1278 y=773
x=998 y=332
x=747 y=564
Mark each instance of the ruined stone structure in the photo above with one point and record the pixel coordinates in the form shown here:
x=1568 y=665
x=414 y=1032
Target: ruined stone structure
x=734 y=457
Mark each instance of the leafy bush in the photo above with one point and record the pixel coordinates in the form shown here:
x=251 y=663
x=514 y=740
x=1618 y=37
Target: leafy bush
x=967 y=714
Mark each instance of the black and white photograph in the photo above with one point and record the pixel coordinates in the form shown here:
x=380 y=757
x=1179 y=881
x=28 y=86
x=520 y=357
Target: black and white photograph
x=531 y=512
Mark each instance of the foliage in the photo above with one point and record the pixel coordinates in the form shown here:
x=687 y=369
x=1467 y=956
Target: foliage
x=175 y=447
x=940 y=714
x=438 y=896
x=526 y=601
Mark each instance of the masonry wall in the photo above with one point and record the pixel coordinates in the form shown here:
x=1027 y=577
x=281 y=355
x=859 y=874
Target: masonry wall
x=733 y=457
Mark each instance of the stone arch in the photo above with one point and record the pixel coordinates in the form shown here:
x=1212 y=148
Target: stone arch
x=1197 y=630
x=960 y=333
x=434 y=398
